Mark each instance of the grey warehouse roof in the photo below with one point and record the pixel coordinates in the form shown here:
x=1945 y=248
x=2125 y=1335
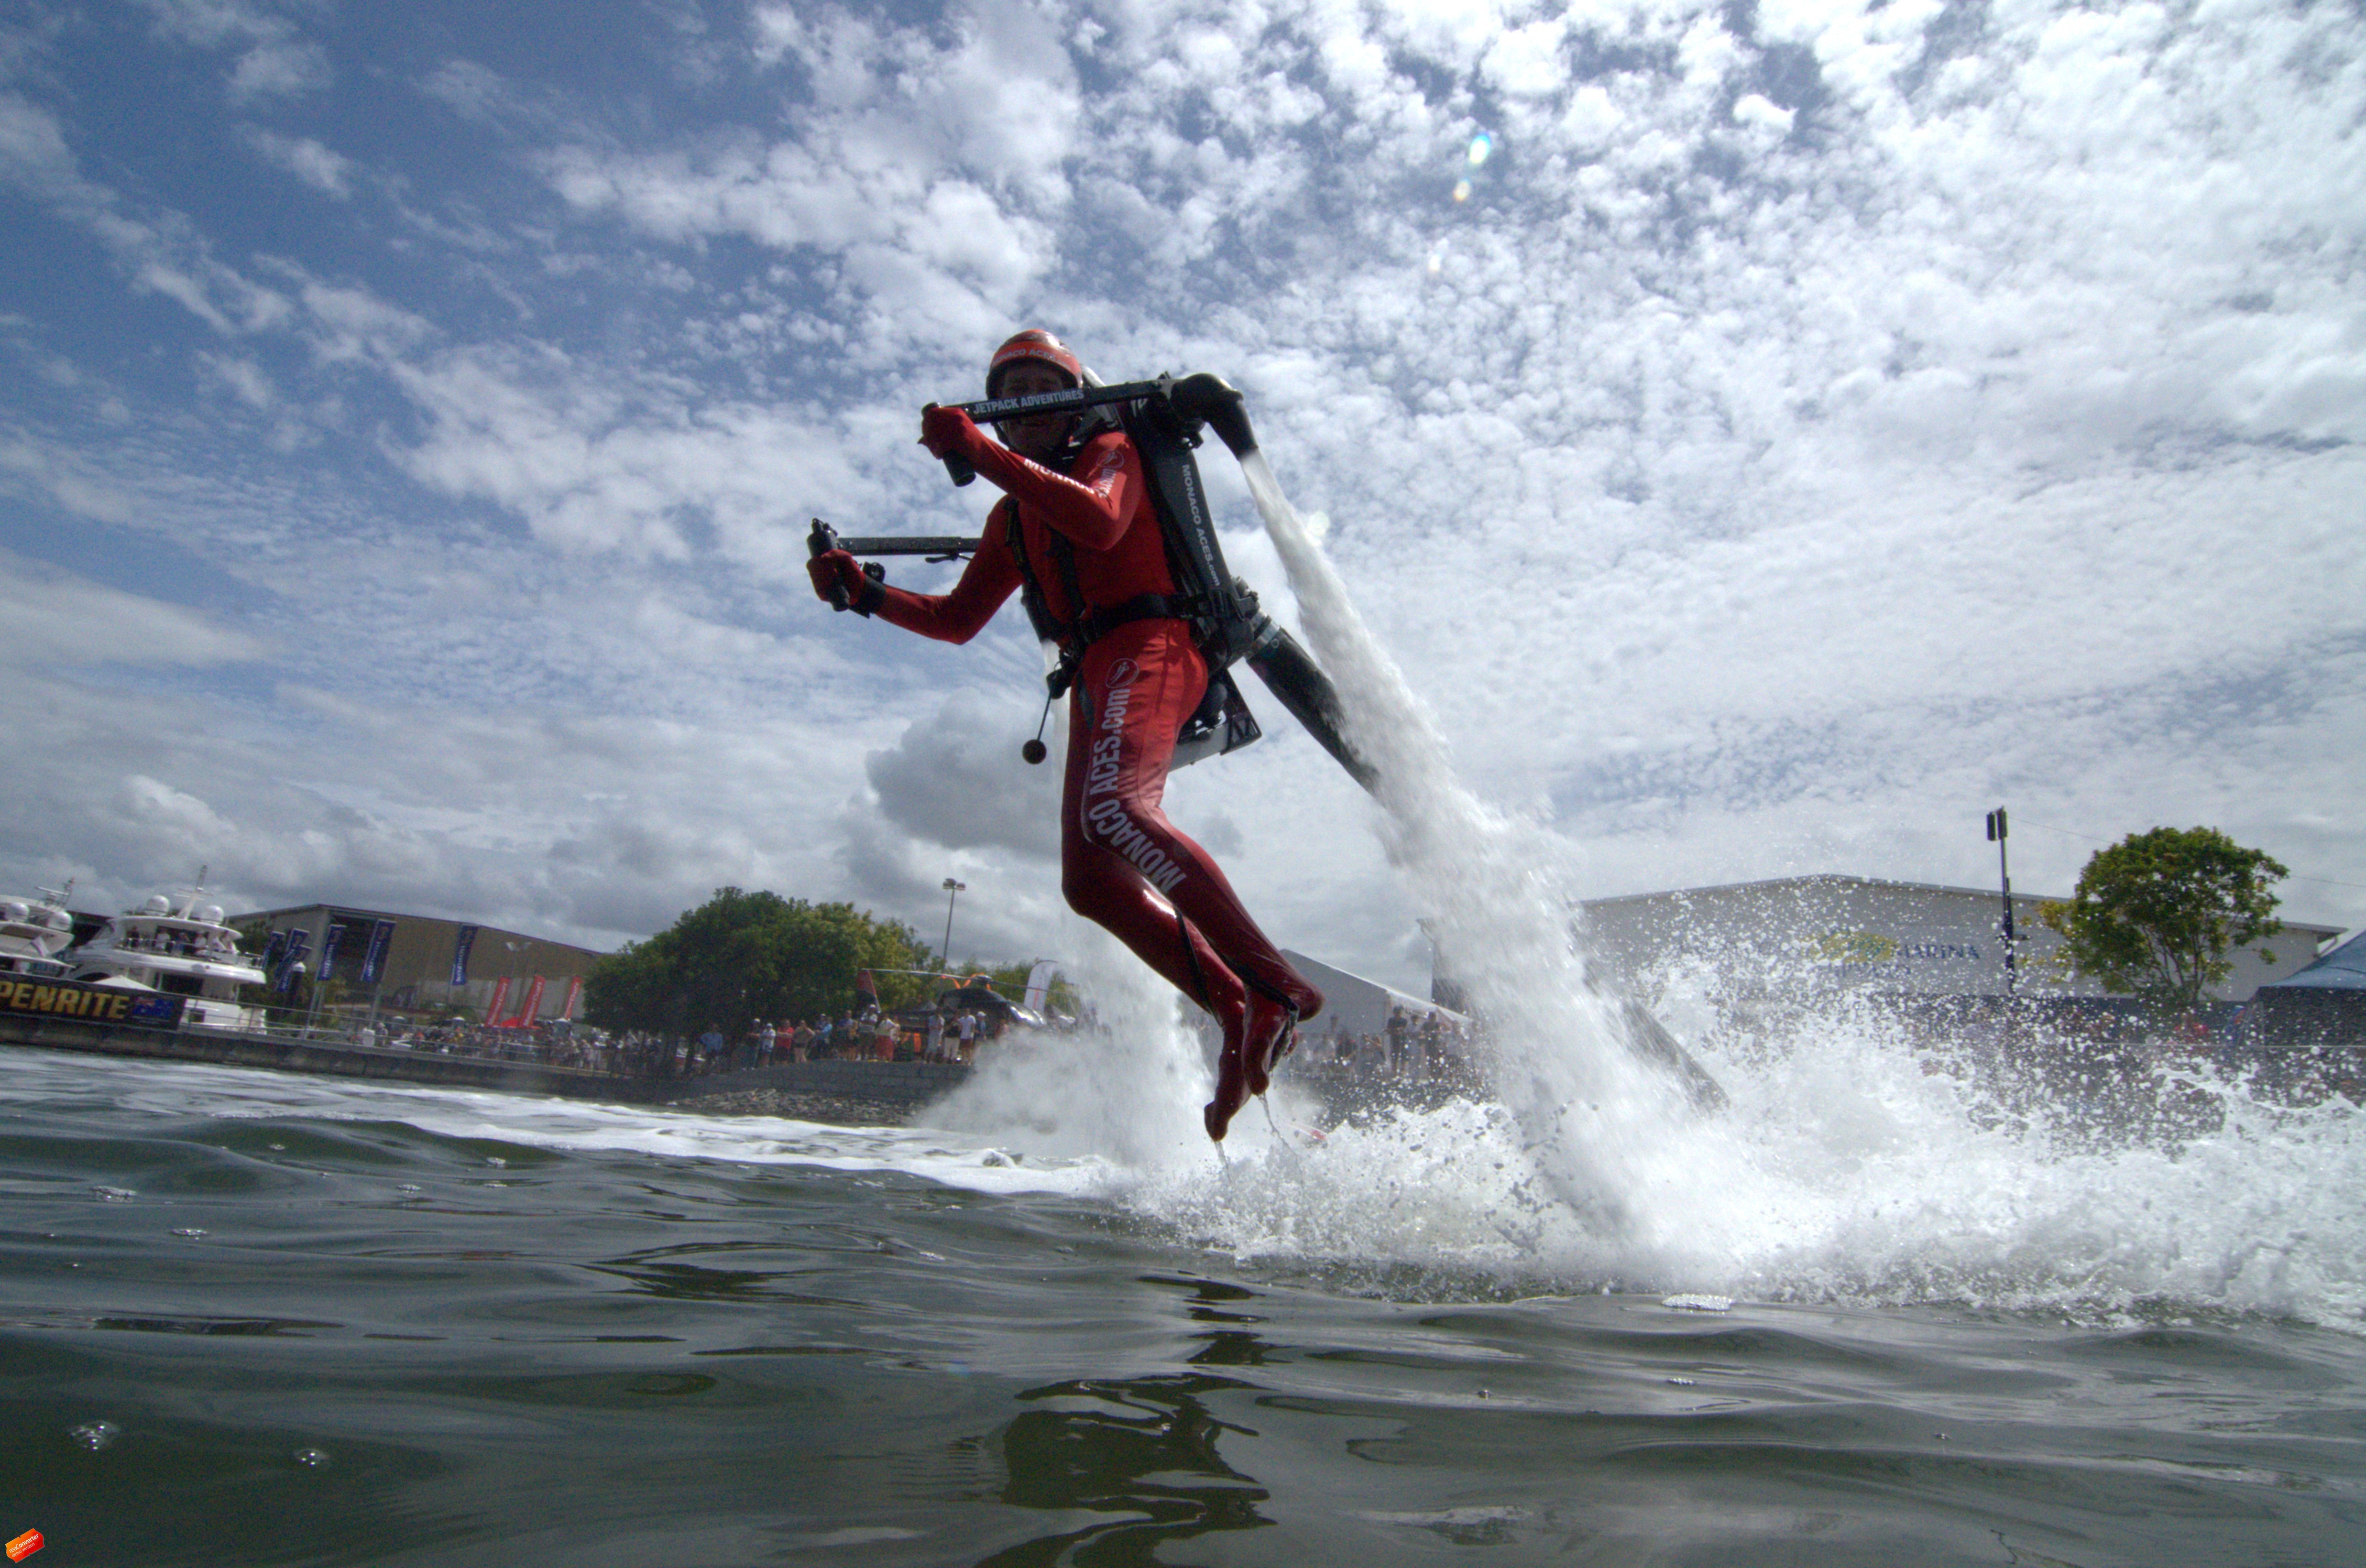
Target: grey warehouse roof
x=2344 y=969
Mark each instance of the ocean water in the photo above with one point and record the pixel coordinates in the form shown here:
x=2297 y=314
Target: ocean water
x=249 y=1317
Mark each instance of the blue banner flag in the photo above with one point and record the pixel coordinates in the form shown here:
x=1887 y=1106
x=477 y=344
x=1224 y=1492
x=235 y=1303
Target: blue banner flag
x=374 y=955
x=273 y=954
x=297 y=940
x=328 y=940
x=460 y=946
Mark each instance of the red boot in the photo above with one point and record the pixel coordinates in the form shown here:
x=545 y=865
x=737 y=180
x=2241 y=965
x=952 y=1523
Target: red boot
x=1270 y=1030
x=1231 y=1089
x=1232 y=1079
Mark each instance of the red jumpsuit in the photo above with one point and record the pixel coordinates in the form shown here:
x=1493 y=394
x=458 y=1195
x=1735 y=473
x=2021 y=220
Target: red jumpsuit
x=1122 y=864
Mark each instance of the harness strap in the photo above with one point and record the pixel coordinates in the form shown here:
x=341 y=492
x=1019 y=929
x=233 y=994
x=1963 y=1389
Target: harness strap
x=1099 y=623
x=1075 y=636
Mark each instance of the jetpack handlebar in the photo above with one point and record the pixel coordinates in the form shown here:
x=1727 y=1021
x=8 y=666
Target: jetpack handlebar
x=935 y=547
x=1196 y=400
x=823 y=539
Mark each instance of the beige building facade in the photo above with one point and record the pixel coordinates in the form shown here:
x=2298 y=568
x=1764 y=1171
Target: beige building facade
x=420 y=961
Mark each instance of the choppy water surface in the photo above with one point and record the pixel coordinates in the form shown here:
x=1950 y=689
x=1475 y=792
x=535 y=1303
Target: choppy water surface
x=254 y=1318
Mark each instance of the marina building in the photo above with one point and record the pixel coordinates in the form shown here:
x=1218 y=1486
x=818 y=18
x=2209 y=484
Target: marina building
x=1800 y=936
x=2324 y=1003
x=418 y=961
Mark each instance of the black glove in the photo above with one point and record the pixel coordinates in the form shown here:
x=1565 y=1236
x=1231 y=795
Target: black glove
x=842 y=581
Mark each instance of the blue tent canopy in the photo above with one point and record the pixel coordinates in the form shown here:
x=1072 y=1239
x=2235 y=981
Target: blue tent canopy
x=2344 y=969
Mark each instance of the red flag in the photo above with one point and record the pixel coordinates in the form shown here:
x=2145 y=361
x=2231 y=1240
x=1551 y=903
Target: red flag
x=865 y=986
x=501 y=999
x=532 y=1003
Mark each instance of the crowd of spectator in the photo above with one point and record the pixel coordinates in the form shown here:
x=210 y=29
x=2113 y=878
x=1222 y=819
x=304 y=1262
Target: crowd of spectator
x=1432 y=1046
x=1425 y=1046
x=925 y=1035
x=869 y=1034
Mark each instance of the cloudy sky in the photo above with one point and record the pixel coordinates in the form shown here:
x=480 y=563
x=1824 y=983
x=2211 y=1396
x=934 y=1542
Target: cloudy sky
x=1769 y=435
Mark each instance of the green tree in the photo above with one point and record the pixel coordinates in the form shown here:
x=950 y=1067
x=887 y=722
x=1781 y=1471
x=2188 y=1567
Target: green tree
x=742 y=955
x=2156 y=913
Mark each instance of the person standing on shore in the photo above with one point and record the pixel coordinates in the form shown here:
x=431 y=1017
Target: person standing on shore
x=1076 y=533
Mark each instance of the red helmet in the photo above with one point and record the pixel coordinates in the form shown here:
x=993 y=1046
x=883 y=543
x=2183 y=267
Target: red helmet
x=1034 y=344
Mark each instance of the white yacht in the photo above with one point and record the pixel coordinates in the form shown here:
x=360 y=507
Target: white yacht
x=185 y=952
x=35 y=934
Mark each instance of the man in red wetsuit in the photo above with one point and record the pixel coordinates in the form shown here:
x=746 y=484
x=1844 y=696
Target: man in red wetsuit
x=1077 y=524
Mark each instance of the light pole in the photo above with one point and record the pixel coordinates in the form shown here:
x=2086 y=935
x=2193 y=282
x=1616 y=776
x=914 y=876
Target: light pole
x=1995 y=836
x=952 y=891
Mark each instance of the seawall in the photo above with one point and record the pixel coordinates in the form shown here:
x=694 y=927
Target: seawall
x=902 y=1084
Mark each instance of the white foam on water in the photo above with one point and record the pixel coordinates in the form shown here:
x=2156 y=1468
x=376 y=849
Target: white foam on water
x=1127 y=1086
x=171 y=1090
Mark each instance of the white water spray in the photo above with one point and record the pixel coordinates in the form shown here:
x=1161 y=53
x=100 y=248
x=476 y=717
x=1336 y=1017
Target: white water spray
x=1851 y=1164
x=1591 y=1114
x=1125 y=1087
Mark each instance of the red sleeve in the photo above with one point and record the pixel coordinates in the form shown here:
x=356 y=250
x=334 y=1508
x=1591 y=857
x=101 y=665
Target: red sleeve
x=1093 y=510
x=985 y=582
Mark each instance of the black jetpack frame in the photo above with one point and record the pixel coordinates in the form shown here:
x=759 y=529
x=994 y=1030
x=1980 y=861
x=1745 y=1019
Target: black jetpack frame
x=1166 y=420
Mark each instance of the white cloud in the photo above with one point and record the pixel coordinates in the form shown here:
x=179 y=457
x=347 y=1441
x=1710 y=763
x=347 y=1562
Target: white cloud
x=566 y=449
x=33 y=150
x=51 y=619
x=160 y=277
x=470 y=89
x=273 y=61
x=245 y=379
x=65 y=480
x=309 y=161
x=280 y=70
x=955 y=778
x=345 y=324
x=929 y=171
x=1526 y=62
x=160 y=252
x=1756 y=109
